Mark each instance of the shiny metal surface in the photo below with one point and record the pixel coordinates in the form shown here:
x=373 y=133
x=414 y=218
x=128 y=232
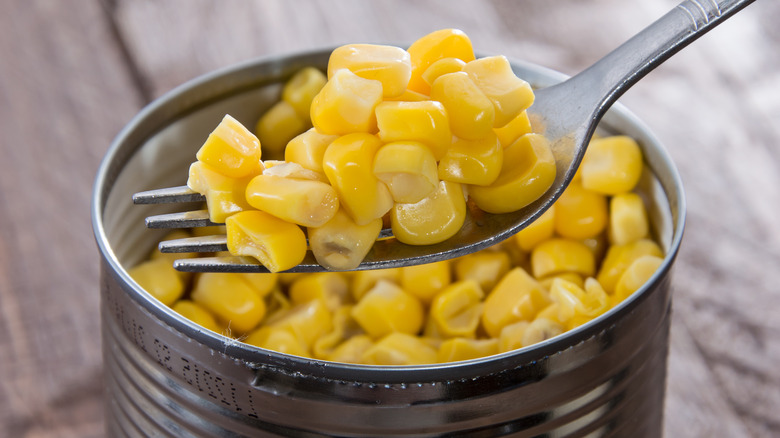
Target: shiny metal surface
x=167 y=377
x=566 y=112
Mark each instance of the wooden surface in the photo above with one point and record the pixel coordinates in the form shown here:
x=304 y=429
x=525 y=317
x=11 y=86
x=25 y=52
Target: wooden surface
x=73 y=73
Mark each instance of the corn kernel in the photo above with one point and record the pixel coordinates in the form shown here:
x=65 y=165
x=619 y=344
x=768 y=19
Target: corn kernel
x=279 y=340
x=307 y=321
x=426 y=280
x=516 y=128
x=511 y=336
x=330 y=287
x=408 y=168
x=300 y=89
x=471 y=113
x=351 y=350
x=341 y=244
x=231 y=299
x=283 y=169
x=434 y=219
x=225 y=196
x=475 y=162
x=197 y=314
x=308 y=148
x=484 y=267
x=232 y=150
x=277 y=244
x=387 y=308
x=344 y=327
x=363 y=281
x=538 y=231
x=528 y=171
x=457 y=309
x=304 y=202
x=348 y=164
x=540 y=330
x=408 y=96
x=160 y=279
x=399 y=349
x=509 y=94
x=346 y=104
x=442 y=67
x=627 y=219
x=637 y=274
x=444 y=43
x=571 y=277
x=557 y=255
x=517 y=297
x=457 y=349
x=423 y=121
x=277 y=126
x=581 y=213
x=620 y=257
x=611 y=165
x=387 y=64
x=262 y=283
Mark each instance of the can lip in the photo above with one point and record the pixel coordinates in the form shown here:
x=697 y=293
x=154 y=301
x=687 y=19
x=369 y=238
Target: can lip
x=192 y=94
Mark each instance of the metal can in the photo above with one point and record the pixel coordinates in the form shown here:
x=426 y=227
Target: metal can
x=165 y=376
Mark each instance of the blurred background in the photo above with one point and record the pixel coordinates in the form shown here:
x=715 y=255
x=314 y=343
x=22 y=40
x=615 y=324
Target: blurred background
x=73 y=73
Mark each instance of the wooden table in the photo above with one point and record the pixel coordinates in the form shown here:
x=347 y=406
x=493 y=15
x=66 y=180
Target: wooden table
x=73 y=73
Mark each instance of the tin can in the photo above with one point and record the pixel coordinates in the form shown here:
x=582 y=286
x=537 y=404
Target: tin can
x=165 y=376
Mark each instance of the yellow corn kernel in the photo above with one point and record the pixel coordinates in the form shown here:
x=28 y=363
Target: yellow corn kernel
x=457 y=349
x=538 y=231
x=308 y=148
x=225 y=196
x=434 y=219
x=279 y=340
x=387 y=308
x=528 y=171
x=517 y=297
x=262 y=283
x=426 y=280
x=484 y=267
x=232 y=150
x=471 y=113
x=475 y=162
x=343 y=327
x=307 y=321
x=620 y=257
x=408 y=168
x=387 y=64
x=283 y=169
x=423 y=121
x=444 y=43
x=456 y=310
x=211 y=230
x=511 y=336
x=231 y=299
x=277 y=126
x=557 y=255
x=300 y=201
x=197 y=314
x=540 y=330
x=598 y=245
x=516 y=128
x=611 y=165
x=363 y=281
x=301 y=88
x=595 y=301
x=277 y=302
x=581 y=213
x=442 y=67
x=637 y=274
x=348 y=164
x=351 y=350
x=329 y=287
x=346 y=104
x=341 y=244
x=571 y=277
x=509 y=94
x=627 y=219
x=277 y=244
x=160 y=279
x=399 y=349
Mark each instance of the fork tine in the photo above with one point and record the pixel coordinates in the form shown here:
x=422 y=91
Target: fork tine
x=213 y=243
x=168 y=195
x=184 y=219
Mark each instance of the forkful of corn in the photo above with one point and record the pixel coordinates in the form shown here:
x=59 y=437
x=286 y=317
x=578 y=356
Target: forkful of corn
x=413 y=156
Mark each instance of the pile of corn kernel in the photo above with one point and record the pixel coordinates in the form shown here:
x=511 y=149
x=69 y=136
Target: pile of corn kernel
x=583 y=256
x=389 y=135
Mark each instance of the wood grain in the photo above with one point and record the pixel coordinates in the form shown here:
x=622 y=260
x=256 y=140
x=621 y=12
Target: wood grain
x=71 y=77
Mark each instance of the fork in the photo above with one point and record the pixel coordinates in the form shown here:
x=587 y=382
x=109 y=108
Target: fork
x=566 y=113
